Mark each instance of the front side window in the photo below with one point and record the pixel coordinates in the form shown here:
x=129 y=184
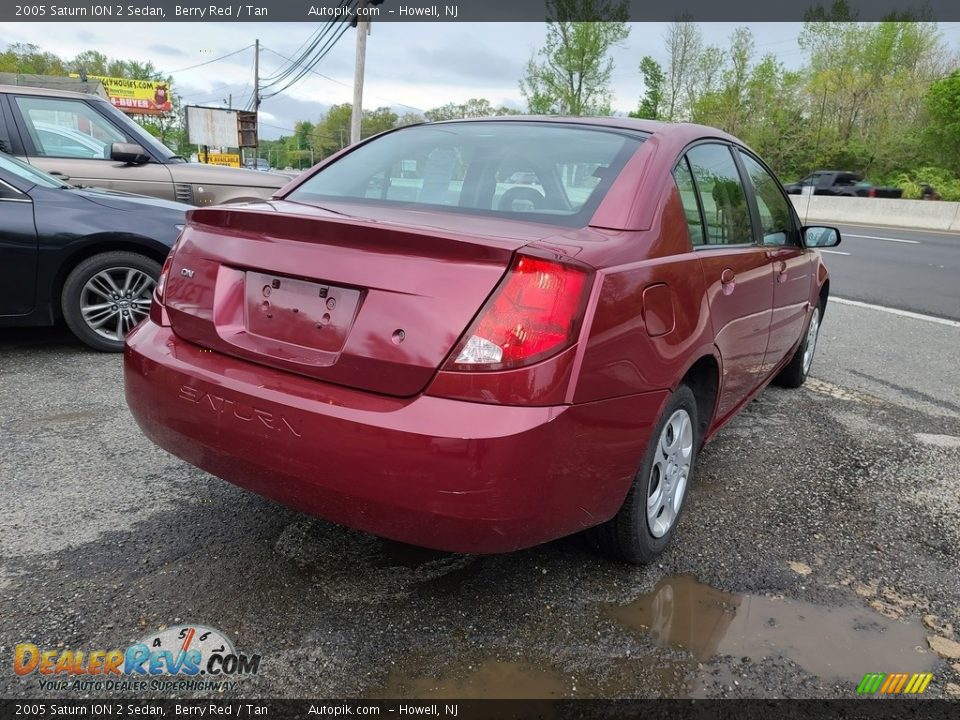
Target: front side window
x=776 y=221
x=721 y=195
x=65 y=128
x=542 y=172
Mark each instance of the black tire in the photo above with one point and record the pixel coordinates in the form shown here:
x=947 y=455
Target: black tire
x=794 y=374
x=74 y=293
x=628 y=535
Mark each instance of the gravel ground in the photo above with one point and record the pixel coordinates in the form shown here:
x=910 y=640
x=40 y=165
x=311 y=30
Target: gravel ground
x=820 y=542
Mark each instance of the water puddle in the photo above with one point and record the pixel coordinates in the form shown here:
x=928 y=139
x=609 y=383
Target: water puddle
x=487 y=679
x=830 y=642
x=420 y=676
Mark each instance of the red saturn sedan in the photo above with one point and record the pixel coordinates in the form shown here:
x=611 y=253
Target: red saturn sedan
x=409 y=341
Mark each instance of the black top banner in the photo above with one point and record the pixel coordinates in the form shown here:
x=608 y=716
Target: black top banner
x=473 y=10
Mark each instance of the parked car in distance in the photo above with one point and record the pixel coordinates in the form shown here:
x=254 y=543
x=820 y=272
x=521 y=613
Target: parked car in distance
x=842 y=184
x=398 y=345
x=91 y=257
x=85 y=140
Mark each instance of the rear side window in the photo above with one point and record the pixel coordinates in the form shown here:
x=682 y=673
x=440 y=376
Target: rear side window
x=548 y=173
x=721 y=195
x=688 y=196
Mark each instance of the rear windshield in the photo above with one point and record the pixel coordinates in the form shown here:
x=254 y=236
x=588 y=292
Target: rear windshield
x=541 y=172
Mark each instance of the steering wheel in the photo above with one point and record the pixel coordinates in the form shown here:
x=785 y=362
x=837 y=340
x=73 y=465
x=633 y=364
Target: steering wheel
x=520 y=199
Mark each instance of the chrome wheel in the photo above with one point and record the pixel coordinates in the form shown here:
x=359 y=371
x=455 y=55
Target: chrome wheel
x=669 y=474
x=811 y=345
x=114 y=300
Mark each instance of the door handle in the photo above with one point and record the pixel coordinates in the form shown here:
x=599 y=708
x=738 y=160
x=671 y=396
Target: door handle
x=728 y=281
x=57 y=173
x=781 y=268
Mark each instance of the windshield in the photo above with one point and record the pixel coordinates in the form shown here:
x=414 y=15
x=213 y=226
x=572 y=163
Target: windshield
x=142 y=136
x=542 y=172
x=28 y=172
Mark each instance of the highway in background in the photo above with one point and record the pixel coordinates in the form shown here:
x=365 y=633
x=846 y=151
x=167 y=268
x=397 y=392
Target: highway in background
x=915 y=270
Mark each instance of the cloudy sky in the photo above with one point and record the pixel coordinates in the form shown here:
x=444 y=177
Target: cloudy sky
x=409 y=65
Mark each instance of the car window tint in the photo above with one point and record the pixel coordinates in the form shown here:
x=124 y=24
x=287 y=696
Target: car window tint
x=721 y=194
x=688 y=196
x=776 y=221
x=67 y=128
x=550 y=173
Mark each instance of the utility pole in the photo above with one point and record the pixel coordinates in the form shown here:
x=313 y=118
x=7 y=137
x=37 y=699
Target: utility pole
x=256 y=92
x=356 y=115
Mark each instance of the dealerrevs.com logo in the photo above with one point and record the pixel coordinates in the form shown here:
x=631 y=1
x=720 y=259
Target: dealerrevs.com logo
x=184 y=658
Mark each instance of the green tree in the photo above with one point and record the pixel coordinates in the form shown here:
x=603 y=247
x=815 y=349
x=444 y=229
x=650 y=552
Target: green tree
x=942 y=129
x=410 y=118
x=29 y=59
x=652 y=101
x=472 y=108
x=572 y=74
x=378 y=121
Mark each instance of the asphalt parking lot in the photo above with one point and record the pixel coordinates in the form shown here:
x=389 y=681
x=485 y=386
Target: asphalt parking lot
x=821 y=541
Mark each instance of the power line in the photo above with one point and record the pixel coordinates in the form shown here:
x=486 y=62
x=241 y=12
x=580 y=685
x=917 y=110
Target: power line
x=301 y=72
x=348 y=85
x=309 y=54
x=208 y=62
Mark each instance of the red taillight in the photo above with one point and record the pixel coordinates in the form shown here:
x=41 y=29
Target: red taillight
x=157 y=314
x=535 y=313
x=162 y=280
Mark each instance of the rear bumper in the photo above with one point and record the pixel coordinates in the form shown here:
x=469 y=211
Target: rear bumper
x=446 y=474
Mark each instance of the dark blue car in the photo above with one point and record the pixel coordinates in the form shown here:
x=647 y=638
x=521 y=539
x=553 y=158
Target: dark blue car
x=91 y=257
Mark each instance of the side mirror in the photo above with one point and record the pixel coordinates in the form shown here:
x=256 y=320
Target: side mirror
x=129 y=153
x=820 y=237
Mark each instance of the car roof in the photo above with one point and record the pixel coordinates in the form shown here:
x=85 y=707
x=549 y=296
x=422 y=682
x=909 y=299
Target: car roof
x=675 y=131
x=47 y=92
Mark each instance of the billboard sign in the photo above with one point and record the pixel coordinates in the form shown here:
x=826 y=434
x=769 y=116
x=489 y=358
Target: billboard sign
x=213 y=127
x=136 y=97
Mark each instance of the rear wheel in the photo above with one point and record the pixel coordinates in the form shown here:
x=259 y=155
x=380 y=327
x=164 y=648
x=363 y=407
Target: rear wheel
x=795 y=373
x=106 y=295
x=645 y=523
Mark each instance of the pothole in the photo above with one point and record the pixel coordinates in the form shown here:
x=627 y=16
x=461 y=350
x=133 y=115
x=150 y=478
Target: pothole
x=831 y=642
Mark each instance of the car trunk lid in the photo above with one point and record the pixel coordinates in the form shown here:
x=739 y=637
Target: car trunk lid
x=364 y=303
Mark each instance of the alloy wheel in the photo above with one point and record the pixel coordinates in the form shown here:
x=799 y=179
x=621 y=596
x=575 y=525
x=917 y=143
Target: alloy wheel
x=114 y=300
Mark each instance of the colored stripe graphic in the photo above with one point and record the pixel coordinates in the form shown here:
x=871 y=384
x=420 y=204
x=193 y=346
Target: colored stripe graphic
x=894 y=683
x=870 y=683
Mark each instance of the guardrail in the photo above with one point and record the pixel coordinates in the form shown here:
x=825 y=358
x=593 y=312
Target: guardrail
x=919 y=214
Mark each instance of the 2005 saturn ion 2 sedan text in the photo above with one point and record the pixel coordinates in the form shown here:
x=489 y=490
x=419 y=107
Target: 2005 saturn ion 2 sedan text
x=409 y=342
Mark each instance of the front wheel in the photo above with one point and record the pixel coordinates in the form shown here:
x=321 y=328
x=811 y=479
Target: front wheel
x=645 y=523
x=106 y=295
x=796 y=371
